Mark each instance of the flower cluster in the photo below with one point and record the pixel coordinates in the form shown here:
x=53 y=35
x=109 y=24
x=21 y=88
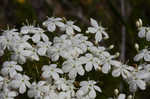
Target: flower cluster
x=71 y=55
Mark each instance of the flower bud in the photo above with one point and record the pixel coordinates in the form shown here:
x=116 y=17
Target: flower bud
x=117 y=54
x=130 y=97
x=99 y=68
x=136 y=46
x=116 y=92
x=139 y=23
x=111 y=46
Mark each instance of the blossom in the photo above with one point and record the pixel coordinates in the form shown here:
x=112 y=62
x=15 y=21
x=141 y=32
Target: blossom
x=90 y=62
x=73 y=67
x=88 y=88
x=144 y=32
x=98 y=30
x=51 y=70
x=7 y=94
x=8 y=39
x=20 y=82
x=37 y=90
x=70 y=27
x=123 y=70
x=52 y=22
x=30 y=29
x=107 y=61
x=136 y=80
x=143 y=54
x=63 y=84
x=20 y=54
x=43 y=47
x=39 y=35
x=11 y=68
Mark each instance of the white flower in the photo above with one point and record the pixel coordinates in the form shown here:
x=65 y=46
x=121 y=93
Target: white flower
x=54 y=52
x=33 y=55
x=20 y=54
x=43 y=47
x=30 y=29
x=123 y=70
x=90 y=62
x=38 y=90
x=11 y=68
x=63 y=84
x=144 y=32
x=7 y=94
x=20 y=82
x=8 y=39
x=137 y=80
x=88 y=88
x=51 y=70
x=70 y=27
x=107 y=61
x=52 y=22
x=73 y=67
x=98 y=30
x=39 y=35
x=143 y=54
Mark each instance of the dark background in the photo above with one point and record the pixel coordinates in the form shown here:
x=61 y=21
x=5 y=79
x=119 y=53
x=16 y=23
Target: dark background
x=15 y=12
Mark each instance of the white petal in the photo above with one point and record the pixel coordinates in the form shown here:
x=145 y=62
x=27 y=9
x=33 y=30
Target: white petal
x=94 y=22
x=141 y=33
x=106 y=67
x=55 y=75
x=92 y=93
x=12 y=94
x=36 y=38
x=72 y=74
x=148 y=36
x=51 y=27
x=69 y=30
x=98 y=37
x=45 y=37
x=80 y=70
x=141 y=84
x=22 y=88
x=45 y=74
x=83 y=83
x=42 y=51
x=147 y=56
x=88 y=66
x=77 y=28
x=91 y=30
x=138 y=57
x=115 y=63
x=60 y=24
x=121 y=96
x=97 y=88
x=116 y=72
x=19 y=68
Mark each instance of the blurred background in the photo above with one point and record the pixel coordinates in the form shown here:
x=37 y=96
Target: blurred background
x=118 y=16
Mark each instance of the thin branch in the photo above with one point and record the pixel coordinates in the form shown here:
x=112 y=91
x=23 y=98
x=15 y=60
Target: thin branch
x=123 y=31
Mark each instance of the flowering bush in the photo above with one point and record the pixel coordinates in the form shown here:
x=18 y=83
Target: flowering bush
x=70 y=55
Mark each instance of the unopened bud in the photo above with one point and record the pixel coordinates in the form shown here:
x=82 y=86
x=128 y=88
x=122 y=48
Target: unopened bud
x=99 y=68
x=116 y=92
x=130 y=97
x=139 y=23
x=136 y=46
x=117 y=54
x=111 y=46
